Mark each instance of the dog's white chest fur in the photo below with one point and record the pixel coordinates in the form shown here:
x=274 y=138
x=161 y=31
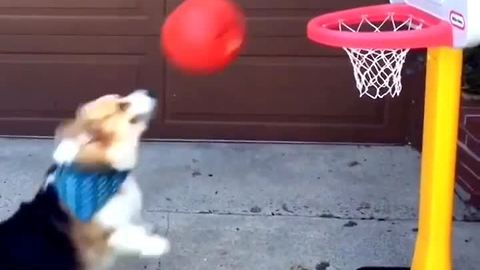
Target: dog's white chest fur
x=131 y=234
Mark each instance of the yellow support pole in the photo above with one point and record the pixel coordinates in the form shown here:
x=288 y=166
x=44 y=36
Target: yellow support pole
x=433 y=249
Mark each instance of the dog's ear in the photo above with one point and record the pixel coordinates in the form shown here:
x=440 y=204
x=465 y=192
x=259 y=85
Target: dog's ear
x=98 y=109
x=74 y=129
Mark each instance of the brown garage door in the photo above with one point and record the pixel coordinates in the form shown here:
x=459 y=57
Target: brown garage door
x=57 y=53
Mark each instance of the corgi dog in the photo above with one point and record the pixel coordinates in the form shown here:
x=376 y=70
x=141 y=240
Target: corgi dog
x=88 y=211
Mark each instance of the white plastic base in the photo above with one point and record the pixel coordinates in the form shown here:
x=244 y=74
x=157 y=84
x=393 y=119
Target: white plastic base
x=463 y=15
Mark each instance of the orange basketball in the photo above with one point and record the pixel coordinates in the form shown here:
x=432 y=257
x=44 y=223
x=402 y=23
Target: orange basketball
x=203 y=36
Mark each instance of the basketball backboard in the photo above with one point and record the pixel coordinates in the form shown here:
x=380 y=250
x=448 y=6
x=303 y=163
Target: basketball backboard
x=463 y=15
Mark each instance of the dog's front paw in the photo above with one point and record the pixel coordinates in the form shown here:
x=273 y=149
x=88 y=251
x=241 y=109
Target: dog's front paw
x=155 y=246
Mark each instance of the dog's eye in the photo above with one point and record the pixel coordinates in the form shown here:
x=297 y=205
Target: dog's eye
x=135 y=120
x=123 y=106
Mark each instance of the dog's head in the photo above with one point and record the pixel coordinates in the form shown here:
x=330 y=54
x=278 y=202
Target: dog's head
x=106 y=131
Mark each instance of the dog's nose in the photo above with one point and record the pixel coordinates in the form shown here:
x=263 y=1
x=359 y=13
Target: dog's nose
x=145 y=92
x=152 y=94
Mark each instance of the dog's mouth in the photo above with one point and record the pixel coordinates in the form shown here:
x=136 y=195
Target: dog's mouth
x=141 y=104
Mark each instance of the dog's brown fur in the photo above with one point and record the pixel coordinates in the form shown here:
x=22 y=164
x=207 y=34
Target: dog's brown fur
x=91 y=241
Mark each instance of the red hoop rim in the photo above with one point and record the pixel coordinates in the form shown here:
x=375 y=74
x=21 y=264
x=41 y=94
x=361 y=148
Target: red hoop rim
x=435 y=32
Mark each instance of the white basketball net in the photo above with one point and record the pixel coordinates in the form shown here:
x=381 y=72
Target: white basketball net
x=378 y=72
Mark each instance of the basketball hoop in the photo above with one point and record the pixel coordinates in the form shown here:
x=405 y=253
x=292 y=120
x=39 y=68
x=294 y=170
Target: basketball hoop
x=377 y=40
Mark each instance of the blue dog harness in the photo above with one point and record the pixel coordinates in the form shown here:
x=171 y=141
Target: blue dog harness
x=84 y=192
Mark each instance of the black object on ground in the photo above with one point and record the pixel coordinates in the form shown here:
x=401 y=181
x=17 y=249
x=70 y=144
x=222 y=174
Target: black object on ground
x=383 y=268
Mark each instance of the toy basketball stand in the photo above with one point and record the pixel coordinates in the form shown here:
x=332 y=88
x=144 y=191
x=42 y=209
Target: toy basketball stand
x=377 y=40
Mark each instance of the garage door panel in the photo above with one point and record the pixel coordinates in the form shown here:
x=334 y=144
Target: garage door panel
x=287 y=46
x=278 y=132
x=283 y=35
x=278 y=89
x=277 y=26
x=68 y=4
x=283 y=87
x=304 y=4
x=71 y=24
x=59 y=44
x=39 y=89
x=292 y=5
x=113 y=17
x=56 y=83
x=33 y=126
x=56 y=54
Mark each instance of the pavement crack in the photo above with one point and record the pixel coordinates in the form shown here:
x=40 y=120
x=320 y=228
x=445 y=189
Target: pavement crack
x=168 y=224
x=267 y=214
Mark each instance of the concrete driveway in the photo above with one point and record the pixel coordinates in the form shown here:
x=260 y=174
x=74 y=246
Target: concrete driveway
x=264 y=206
